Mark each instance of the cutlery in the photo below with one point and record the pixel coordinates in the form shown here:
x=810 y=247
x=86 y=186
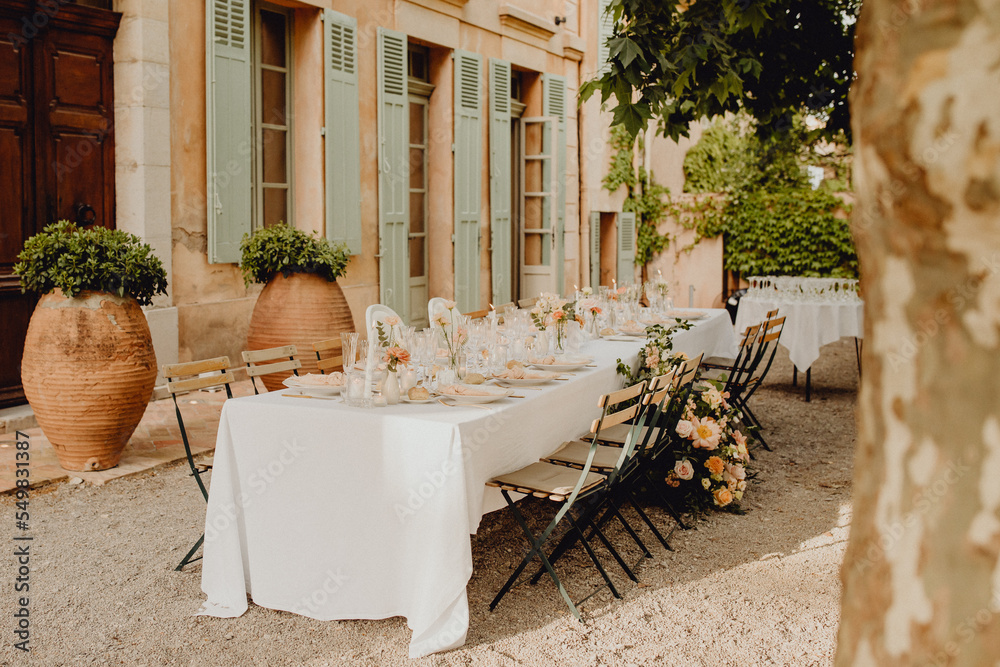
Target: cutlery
x=463 y=405
x=322 y=398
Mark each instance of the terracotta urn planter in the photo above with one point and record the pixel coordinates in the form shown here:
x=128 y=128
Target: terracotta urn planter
x=298 y=310
x=88 y=372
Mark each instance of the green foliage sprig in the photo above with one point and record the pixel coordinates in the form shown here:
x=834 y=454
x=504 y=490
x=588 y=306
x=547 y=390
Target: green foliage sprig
x=646 y=198
x=287 y=250
x=97 y=259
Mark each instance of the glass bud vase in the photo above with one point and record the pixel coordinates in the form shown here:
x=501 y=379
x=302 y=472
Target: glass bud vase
x=560 y=338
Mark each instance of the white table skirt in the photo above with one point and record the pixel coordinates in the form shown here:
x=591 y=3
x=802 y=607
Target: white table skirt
x=335 y=512
x=808 y=326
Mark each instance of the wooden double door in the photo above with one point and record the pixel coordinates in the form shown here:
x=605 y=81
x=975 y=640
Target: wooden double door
x=57 y=158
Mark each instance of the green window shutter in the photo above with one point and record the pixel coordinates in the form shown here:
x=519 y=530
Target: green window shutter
x=500 y=173
x=468 y=170
x=626 y=247
x=605 y=28
x=595 y=249
x=343 y=130
x=229 y=142
x=394 y=171
x=554 y=104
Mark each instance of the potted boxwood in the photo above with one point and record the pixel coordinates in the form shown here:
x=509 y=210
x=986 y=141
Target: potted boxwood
x=301 y=302
x=88 y=368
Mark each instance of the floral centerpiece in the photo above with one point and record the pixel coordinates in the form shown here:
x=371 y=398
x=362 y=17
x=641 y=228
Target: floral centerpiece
x=551 y=310
x=395 y=357
x=454 y=336
x=707 y=465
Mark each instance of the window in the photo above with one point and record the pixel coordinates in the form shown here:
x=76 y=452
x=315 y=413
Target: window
x=272 y=134
x=420 y=90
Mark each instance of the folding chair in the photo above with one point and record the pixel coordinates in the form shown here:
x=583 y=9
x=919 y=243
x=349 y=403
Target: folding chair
x=477 y=314
x=565 y=486
x=265 y=362
x=767 y=346
x=333 y=347
x=192 y=376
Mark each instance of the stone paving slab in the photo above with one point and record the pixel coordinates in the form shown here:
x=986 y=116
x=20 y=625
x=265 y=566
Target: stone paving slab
x=156 y=441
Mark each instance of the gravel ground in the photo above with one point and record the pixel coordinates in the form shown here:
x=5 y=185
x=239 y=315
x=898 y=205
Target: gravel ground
x=758 y=589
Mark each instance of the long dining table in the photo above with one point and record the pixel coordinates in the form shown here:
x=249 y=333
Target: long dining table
x=338 y=512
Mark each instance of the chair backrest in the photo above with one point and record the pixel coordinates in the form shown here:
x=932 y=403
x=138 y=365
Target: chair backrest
x=265 y=362
x=477 y=314
x=333 y=350
x=378 y=313
x=192 y=376
x=769 y=337
x=745 y=361
x=527 y=303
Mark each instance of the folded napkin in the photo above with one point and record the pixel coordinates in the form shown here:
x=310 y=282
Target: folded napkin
x=631 y=326
x=544 y=361
x=334 y=379
x=520 y=373
x=464 y=390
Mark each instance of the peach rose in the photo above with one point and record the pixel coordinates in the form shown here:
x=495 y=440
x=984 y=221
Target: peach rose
x=715 y=465
x=722 y=496
x=684 y=428
x=737 y=471
x=706 y=433
x=684 y=469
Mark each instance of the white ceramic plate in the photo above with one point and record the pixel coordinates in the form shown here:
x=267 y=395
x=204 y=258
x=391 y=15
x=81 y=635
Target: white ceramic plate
x=565 y=364
x=540 y=377
x=688 y=315
x=496 y=393
x=317 y=392
x=407 y=399
x=295 y=382
x=631 y=333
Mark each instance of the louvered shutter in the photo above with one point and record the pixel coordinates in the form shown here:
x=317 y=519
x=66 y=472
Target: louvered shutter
x=554 y=104
x=468 y=166
x=229 y=144
x=394 y=170
x=500 y=174
x=595 y=249
x=626 y=247
x=343 y=131
x=605 y=28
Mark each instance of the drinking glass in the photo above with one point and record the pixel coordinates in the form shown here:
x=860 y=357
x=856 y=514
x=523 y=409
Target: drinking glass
x=349 y=347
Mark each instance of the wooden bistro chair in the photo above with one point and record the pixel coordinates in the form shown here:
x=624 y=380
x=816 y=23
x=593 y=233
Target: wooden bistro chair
x=181 y=379
x=565 y=486
x=272 y=360
x=329 y=355
x=767 y=346
x=527 y=303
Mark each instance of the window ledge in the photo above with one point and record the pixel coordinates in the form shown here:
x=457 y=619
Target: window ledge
x=523 y=21
x=574 y=46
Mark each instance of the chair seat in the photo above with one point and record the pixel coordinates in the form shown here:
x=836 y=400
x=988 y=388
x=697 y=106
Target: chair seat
x=718 y=362
x=575 y=453
x=546 y=480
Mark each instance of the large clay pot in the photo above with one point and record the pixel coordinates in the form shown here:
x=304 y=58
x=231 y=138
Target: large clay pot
x=88 y=372
x=298 y=310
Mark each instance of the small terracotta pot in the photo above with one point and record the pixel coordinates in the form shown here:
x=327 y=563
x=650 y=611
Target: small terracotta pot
x=298 y=310
x=88 y=372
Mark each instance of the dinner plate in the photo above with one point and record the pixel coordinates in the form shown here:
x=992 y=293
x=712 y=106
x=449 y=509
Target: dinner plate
x=295 y=382
x=541 y=377
x=407 y=399
x=496 y=393
x=314 y=392
x=566 y=364
x=631 y=333
x=687 y=315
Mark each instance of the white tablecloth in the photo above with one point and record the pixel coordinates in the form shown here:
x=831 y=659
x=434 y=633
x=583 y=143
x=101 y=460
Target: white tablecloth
x=808 y=326
x=335 y=512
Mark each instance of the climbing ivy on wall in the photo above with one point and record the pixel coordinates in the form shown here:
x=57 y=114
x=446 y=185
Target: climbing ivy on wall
x=645 y=197
x=772 y=221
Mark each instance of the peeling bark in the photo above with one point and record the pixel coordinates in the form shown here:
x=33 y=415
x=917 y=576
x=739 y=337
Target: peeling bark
x=922 y=574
